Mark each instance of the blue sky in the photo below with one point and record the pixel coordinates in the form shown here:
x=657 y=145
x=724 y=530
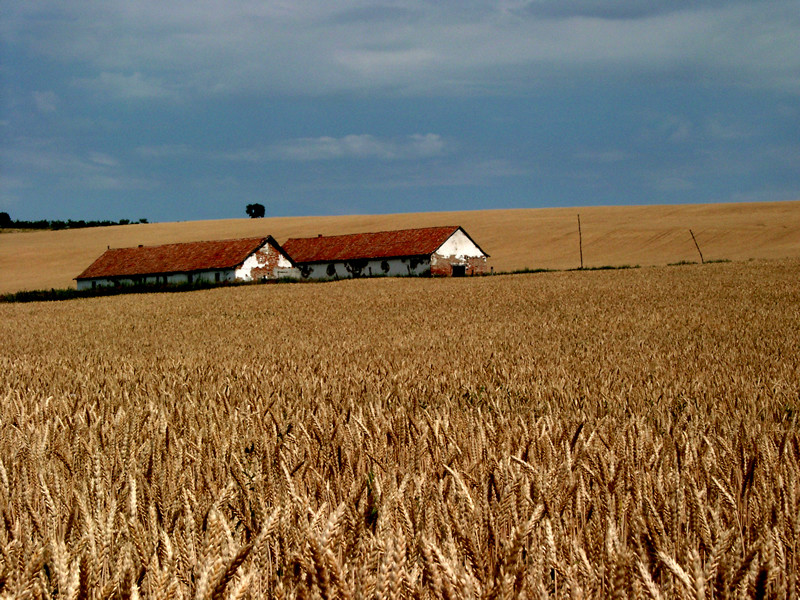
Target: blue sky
x=189 y=110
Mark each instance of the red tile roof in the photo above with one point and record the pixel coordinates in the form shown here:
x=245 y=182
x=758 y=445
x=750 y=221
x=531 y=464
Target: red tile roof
x=383 y=244
x=173 y=258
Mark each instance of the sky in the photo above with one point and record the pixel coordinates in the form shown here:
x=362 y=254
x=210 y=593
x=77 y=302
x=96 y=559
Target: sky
x=187 y=110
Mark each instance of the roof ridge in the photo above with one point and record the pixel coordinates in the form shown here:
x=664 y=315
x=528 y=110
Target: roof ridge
x=255 y=237
x=454 y=227
x=396 y=243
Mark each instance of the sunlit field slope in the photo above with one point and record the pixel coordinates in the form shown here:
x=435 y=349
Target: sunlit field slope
x=590 y=434
x=515 y=239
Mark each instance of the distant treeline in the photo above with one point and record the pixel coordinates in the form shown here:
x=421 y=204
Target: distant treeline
x=8 y=223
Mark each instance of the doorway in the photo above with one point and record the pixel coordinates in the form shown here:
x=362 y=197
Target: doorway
x=459 y=270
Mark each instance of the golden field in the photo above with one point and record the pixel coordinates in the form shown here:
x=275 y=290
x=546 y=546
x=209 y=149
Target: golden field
x=595 y=434
x=515 y=239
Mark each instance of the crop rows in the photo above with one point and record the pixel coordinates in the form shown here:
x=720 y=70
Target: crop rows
x=587 y=435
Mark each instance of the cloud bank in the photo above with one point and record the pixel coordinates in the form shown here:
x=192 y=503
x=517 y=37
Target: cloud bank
x=409 y=46
x=362 y=146
x=182 y=109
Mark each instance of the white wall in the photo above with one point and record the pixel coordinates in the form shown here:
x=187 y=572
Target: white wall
x=210 y=276
x=259 y=262
x=396 y=267
x=459 y=245
x=458 y=252
x=285 y=268
x=175 y=278
x=254 y=261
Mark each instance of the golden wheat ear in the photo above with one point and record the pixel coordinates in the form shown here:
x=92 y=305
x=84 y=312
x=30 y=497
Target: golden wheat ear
x=593 y=434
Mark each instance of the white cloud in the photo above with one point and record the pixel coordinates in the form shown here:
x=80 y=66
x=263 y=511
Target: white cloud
x=604 y=156
x=477 y=172
x=132 y=86
x=769 y=194
x=666 y=127
x=425 y=145
x=408 y=175
x=163 y=151
x=11 y=183
x=45 y=101
x=378 y=62
x=673 y=184
x=104 y=160
x=409 y=46
x=39 y=159
x=362 y=146
x=721 y=128
x=786 y=155
x=682 y=132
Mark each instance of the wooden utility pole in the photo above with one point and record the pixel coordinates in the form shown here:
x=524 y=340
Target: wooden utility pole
x=580 y=239
x=698 y=247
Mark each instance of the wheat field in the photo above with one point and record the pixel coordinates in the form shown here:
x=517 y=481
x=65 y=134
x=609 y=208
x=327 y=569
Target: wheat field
x=629 y=433
x=544 y=238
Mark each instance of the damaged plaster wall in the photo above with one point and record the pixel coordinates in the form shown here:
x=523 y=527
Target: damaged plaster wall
x=458 y=251
x=266 y=263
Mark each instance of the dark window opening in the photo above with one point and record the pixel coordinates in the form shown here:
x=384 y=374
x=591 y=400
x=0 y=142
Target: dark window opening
x=216 y=276
x=459 y=270
x=356 y=267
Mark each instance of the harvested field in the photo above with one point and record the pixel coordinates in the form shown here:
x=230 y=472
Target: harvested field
x=627 y=433
x=516 y=239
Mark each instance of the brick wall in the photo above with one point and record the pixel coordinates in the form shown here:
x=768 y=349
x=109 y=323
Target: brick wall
x=267 y=263
x=442 y=266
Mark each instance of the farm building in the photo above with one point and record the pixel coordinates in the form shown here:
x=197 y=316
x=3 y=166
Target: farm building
x=438 y=251
x=249 y=259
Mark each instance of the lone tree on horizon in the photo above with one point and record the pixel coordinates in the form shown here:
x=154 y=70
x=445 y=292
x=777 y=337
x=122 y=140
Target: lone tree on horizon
x=256 y=211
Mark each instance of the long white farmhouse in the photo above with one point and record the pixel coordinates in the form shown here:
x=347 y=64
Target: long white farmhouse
x=437 y=251
x=248 y=259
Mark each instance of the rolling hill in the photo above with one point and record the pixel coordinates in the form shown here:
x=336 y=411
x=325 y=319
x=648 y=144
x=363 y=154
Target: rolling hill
x=515 y=239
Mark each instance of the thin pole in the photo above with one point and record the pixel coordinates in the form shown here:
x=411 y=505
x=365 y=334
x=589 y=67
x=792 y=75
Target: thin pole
x=698 y=247
x=580 y=239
